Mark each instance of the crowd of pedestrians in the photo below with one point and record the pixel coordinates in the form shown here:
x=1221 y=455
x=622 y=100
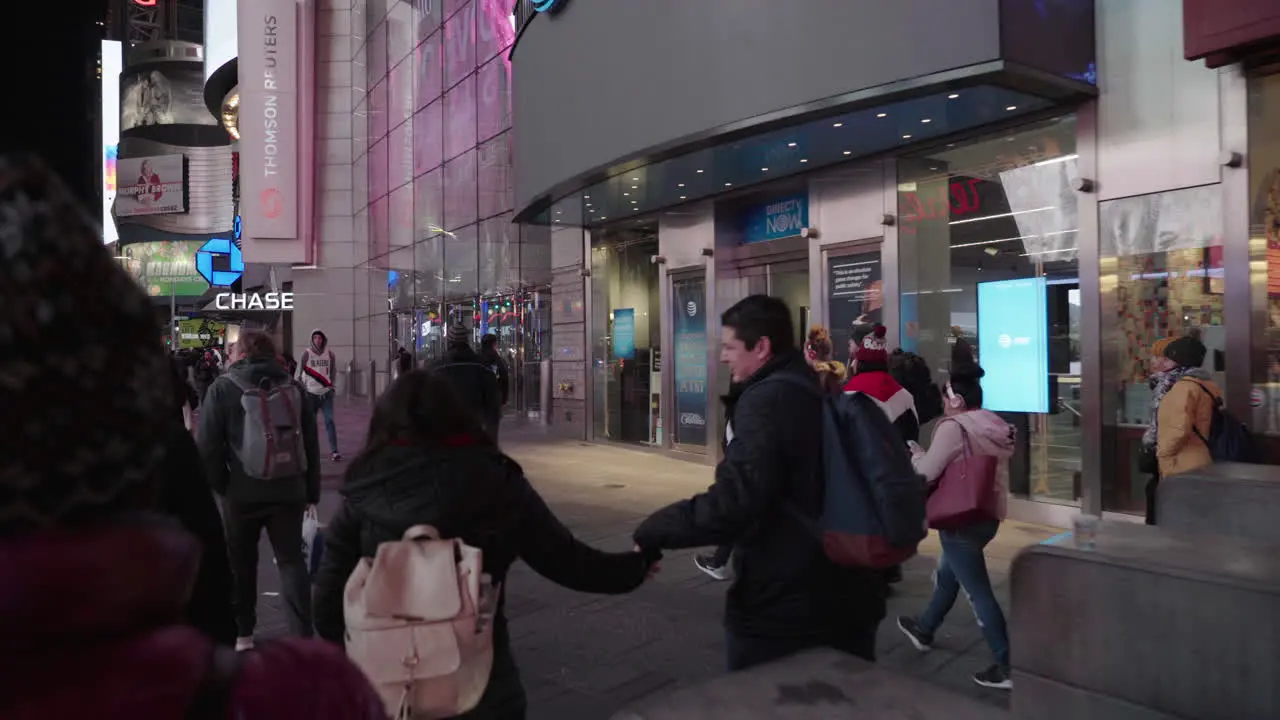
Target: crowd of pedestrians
x=123 y=575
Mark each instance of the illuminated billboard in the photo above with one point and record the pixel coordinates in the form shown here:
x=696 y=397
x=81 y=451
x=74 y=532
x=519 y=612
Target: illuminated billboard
x=164 y=268
x=1013 y=344
x=168 y=94
x=112 y=65
x=151 y=186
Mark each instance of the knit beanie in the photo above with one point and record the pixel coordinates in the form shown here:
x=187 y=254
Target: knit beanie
x=1186 y=352
x=80 y=364
x=1158 y=347
x=458 y=335
x=874 y=349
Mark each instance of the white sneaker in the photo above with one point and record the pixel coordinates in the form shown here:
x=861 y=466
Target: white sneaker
x=244 y=643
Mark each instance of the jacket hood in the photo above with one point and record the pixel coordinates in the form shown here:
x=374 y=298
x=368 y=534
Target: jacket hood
x=834 y=367
x=61 y=586
x=255 y=369
x=399 y=481
x=880 y=386
x=460 y=354
x=324 y=340
x=988 y=434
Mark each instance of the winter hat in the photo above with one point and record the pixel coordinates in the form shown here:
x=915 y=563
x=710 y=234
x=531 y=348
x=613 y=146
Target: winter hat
x=458 y=335
x=1186 y=352
x=874 y=350
x=1158 y=347
x=80 y=354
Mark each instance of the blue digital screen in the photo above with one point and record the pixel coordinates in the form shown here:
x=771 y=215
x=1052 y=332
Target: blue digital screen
x=1013 y=345
x=624 y=333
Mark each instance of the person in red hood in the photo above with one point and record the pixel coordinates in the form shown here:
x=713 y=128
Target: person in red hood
x=869 y=374
x=94 y=585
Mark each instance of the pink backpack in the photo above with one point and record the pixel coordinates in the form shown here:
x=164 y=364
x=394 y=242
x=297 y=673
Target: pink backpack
x=419 y=624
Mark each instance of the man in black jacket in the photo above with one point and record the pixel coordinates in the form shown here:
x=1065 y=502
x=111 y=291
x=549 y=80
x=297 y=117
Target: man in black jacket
x=251 y=505
x=475 y=384
x=786 y=596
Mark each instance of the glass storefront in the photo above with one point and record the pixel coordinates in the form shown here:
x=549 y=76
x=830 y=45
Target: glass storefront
x=1264 y=254
x=625 y=333
x=988 y=254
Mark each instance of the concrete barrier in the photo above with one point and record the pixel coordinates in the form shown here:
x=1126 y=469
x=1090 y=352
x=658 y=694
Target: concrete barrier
x=811 y=685
x=1151 y=625
x=1223 y=499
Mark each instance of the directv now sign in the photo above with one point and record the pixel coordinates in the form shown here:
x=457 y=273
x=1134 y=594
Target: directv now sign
x=780 y=218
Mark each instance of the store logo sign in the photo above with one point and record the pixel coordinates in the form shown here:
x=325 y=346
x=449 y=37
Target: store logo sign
x=254 y=301
x=692 y=308
x=216 y=252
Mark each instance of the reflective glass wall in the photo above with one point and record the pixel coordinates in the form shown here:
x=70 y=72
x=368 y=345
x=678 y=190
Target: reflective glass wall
x=988 y=255
x=1264 y=253
x=433 y=180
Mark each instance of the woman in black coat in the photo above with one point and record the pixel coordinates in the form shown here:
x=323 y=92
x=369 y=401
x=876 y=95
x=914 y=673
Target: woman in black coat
x=428 y=462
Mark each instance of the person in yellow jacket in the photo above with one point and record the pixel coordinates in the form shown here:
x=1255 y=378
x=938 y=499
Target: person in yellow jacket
x=1186 y=410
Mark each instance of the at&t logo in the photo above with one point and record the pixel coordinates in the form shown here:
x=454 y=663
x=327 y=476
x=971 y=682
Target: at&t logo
x=692 y=308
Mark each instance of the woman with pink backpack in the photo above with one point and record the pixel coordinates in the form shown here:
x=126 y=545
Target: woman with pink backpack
x=966 y=505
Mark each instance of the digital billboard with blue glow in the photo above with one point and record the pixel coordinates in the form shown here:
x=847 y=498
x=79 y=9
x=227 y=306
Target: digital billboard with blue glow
x=1013 y=345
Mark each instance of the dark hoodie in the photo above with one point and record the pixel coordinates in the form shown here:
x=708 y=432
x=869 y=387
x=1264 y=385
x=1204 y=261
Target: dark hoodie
x=474 y=382
x=469 y=490
x=222 y=428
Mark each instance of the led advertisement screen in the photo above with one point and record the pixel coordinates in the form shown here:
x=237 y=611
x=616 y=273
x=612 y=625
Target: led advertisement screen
x=1013 y=345
x=172 y=94
x=112 y=65
x=165 y=268
x=151 y=186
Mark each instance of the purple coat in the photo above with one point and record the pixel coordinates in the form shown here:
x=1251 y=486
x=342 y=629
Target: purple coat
x=90 y=627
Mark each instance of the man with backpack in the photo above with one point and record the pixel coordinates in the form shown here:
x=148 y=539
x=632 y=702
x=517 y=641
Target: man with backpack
x=787 y=595
x=261 y=452
x=316 y=369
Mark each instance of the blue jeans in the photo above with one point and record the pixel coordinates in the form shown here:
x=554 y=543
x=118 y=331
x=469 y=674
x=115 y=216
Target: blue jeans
x=325 y=402
x=962 y=566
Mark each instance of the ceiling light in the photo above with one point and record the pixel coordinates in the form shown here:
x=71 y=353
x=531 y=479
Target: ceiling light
x=635 y=187
x=625 y=194
x=838 y=125
x=791 y=144
x=882 y=114
x=586 y=197
x=953 y=96
x=1015 y=213
x=699 y=172
x=633 y=202
x=804 y=159
x=728 y=184
x=559 y=212
x=680 y=185
x=848 y=152
x=764 y=169
x=684 y=197
x=1011 y=108
x=906 y=137
x=926 y=120
x=635 y=179
x=1054 y=161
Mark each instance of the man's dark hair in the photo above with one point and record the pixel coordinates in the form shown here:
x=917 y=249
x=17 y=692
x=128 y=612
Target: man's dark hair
x=258 y=345
x=758 y=316
x=489 y=341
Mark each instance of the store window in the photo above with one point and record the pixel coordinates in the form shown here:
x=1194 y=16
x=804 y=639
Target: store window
x=626 y=333
x=1264 y=246
x=988 y=245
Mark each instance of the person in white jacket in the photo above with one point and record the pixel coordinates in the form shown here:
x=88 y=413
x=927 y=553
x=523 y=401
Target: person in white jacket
x=962 y=564
x=316 y=368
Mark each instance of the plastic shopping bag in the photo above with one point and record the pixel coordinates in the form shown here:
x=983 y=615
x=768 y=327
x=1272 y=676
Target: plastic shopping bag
x=310 y=531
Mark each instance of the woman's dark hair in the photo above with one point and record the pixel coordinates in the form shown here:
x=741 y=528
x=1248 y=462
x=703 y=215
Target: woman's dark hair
x=420 y=409
x=966 y=375
x=404 y=362
x=912 y=373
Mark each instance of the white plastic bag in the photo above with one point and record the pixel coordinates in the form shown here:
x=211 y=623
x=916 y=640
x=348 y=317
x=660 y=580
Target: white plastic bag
x=310 y=528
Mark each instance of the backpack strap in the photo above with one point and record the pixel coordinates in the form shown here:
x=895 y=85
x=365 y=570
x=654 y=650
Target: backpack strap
x=212 y=699
x=1217 y=406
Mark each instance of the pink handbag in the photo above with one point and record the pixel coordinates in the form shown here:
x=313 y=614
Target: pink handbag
x=968 y=491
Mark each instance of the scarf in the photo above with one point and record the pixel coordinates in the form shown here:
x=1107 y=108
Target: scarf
x=1160 y=383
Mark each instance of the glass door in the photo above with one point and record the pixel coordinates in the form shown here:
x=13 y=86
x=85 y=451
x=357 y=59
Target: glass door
x=790 y=281
x=689 y=361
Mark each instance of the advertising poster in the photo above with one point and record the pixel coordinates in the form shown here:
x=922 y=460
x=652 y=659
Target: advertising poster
x=172 y=94
x=624 y=333
x=162 y=268
x=782 y=218
x=856 y=298
x=200 y=332
x=112 y=65
x=690 y=361
x=150 y=186
x=1013 y=343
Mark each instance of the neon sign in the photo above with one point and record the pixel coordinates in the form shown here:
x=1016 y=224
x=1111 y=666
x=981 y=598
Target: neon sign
x=935 y=203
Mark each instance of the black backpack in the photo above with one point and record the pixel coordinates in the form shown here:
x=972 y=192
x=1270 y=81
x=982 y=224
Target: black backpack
x=1229 y=439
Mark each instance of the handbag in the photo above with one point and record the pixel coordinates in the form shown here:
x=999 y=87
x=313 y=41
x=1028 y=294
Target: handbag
x=968 y=491
x=1148 y=463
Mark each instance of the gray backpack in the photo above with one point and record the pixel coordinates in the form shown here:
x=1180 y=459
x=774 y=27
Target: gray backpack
x=272 y=445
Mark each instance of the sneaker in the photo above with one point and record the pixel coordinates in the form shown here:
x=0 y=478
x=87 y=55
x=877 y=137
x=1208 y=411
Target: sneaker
x=244 y=644
x=705 y=564
x=337 y=457
x=996 y=676
x=918 y=637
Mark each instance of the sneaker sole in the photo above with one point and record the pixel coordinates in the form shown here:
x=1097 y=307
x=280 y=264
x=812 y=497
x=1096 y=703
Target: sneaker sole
x=914 y=640
x=1006 y=685
x=714 y=573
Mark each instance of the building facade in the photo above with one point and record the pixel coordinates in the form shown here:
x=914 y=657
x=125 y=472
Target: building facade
x=1054 y=182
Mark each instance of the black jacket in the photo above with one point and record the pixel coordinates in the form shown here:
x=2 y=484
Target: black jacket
x=474 y=382
x=222 y=427
x=498 y=366
x=184 y=495
x=475 y=493
x=784 y=584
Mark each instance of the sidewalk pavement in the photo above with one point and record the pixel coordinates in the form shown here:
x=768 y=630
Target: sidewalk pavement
x=586 y=656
